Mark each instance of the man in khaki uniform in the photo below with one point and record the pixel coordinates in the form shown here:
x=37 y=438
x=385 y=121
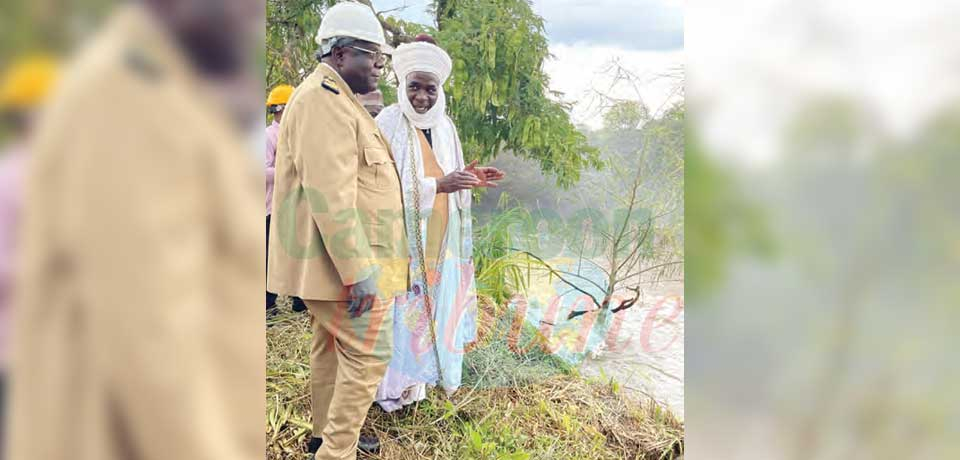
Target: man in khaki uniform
x=138 y=329
x=338 y=234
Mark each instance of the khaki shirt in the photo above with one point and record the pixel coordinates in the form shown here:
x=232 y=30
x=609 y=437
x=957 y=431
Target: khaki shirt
x=139 y=327
x=337 y=201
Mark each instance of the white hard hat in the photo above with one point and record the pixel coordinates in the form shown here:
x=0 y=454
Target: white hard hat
x=354 y=20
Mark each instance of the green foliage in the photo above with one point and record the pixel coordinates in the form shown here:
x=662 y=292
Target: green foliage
x=497 y=92
x=709 y=234
x=389 y=91
x=291 y=28
x=511 y=406
x=501 y=272
x=722 y=223
x=495 y=442
x=497 y=95
x=291 y=47
x=45 y=26
x=625 y=221
x=645 y=239
x=626 y=115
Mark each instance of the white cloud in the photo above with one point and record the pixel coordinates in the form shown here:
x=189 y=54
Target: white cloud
x=627 y=24
x=753 y=68
x=646 y=36
x=408 y=10
x=577 y=71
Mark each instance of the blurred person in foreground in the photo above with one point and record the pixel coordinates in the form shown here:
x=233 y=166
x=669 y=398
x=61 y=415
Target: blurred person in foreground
x=372 y=102
x=276 y=101
x=23 y=89
x=338 y=239
x=437 y=194
x=136 y=335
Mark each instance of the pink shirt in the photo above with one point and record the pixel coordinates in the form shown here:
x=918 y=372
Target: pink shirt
x=12 y=172
x=272 y=132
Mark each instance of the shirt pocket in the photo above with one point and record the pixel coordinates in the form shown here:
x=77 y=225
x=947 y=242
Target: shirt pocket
x=377 y=168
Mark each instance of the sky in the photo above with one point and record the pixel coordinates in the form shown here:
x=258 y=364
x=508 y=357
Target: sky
x=752 y=69
x=644 y=36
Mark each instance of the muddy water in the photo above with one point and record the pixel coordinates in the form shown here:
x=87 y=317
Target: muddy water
x=641 y=348
x=646 y=357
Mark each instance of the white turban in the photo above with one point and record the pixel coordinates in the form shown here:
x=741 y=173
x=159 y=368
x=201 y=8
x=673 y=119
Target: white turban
x=422 y=57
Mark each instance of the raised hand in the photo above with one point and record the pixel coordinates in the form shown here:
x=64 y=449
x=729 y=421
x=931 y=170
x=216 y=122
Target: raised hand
x=456 y=181
x=487 y=175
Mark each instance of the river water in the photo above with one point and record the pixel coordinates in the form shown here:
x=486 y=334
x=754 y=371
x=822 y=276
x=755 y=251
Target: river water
x=640 y=348
x=648 y=361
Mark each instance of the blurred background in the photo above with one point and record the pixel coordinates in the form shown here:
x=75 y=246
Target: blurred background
x=44 y=29
x=821 y=230
x=131 y=244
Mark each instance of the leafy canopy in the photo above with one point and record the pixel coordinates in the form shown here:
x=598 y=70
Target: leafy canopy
x=497 y=94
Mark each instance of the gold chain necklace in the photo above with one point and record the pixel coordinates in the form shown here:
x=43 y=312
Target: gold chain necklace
x=427 y=301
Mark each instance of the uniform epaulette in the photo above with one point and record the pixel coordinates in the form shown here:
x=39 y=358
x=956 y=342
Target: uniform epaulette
x=330 y=85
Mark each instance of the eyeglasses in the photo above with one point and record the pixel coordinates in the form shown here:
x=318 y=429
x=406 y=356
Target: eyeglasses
x=377 y=55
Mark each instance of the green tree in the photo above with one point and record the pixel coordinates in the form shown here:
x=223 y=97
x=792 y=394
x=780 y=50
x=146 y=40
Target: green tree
x=47 y=26
x=626 y=115
x=724 y=222
x=291 y=28
x=642 y=238
x=498 y=94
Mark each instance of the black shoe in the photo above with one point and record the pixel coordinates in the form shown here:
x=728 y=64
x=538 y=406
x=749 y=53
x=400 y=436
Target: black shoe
x=366 y=444
x=369 y=444
x=314 y=445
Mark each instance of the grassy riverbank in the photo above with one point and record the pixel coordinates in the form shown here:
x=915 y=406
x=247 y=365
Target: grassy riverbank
x=529 y=406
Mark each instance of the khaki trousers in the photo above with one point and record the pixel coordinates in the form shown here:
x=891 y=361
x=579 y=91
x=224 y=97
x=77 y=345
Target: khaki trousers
x=348 y=359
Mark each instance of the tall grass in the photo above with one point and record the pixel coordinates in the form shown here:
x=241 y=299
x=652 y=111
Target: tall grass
x=512 y=406
x=501 y=272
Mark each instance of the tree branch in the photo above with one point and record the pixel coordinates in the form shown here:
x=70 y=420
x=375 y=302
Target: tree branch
x=558 y=274
x=659 y=266
x=629 y=303
x=636 y=249
x=397 y=35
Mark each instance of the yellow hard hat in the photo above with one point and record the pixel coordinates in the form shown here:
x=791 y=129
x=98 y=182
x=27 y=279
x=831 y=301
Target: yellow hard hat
x=280 y=95
x=27 y=82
